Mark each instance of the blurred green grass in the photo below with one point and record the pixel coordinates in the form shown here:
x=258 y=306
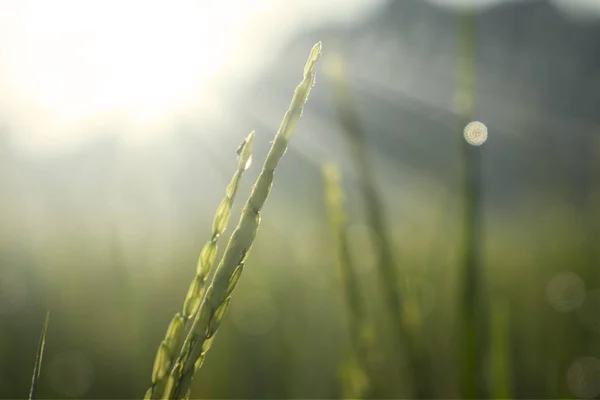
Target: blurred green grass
x=112 y=292
x=114 y=320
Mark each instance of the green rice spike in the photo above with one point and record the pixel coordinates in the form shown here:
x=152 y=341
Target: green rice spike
x=37 y=368
x=214 y=303
x=355 y=377
x=207 y=255
x=169 y=347
x=407 y=341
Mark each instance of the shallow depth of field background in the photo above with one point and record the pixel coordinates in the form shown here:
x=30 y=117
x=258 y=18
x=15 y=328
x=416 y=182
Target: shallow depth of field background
x=118 y=129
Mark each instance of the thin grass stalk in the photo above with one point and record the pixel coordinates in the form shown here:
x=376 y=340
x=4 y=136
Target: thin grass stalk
x=167 y=351
x=214 y=304
x=471 y=302
x=357 y=324
x=37 y=368
x=419 y=365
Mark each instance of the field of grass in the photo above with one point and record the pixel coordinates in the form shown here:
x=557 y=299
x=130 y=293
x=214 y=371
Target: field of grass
x=337 y=299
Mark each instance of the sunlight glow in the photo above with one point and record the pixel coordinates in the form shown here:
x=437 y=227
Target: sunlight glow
x=72 y=61
x=73 y=70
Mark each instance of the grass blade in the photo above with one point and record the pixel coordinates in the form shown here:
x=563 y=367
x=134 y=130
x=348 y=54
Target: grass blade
x=38 y=359
x=217 y=298
x=356 y=382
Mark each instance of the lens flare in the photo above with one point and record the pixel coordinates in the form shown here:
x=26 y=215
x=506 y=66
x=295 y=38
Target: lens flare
x=475 y=133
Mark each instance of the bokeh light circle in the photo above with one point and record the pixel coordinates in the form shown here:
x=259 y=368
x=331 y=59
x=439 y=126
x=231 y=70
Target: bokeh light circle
x=583 y=377
x=565 y=292
x=475 y=133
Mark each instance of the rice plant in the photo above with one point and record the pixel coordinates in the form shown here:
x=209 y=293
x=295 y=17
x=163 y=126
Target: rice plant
x=210 y=306
x=166 y=353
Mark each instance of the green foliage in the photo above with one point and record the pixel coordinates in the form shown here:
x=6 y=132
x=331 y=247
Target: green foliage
x=406 y=339
x=302 y=346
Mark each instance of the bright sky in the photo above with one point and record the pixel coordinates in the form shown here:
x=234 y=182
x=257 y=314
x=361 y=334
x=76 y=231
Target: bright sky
x=72 y=69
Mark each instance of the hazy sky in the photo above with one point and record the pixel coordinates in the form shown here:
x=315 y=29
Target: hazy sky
x=69 y=65
x=71 y=68
x=577 y=8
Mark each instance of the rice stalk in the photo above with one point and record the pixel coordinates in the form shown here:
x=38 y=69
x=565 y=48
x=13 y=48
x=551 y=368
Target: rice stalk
x=218 y=295
x=419 y=365
x=167 y=351
x=37 y=368
x=471 y=302
x=356 y=374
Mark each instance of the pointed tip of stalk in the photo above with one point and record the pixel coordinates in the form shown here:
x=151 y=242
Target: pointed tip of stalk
x=250 y=140
x=318 y=46
x=245 y=152
x=314 y=56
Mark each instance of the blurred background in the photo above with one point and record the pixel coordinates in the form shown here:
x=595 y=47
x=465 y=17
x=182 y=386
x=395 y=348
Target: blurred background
x=119 y=123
